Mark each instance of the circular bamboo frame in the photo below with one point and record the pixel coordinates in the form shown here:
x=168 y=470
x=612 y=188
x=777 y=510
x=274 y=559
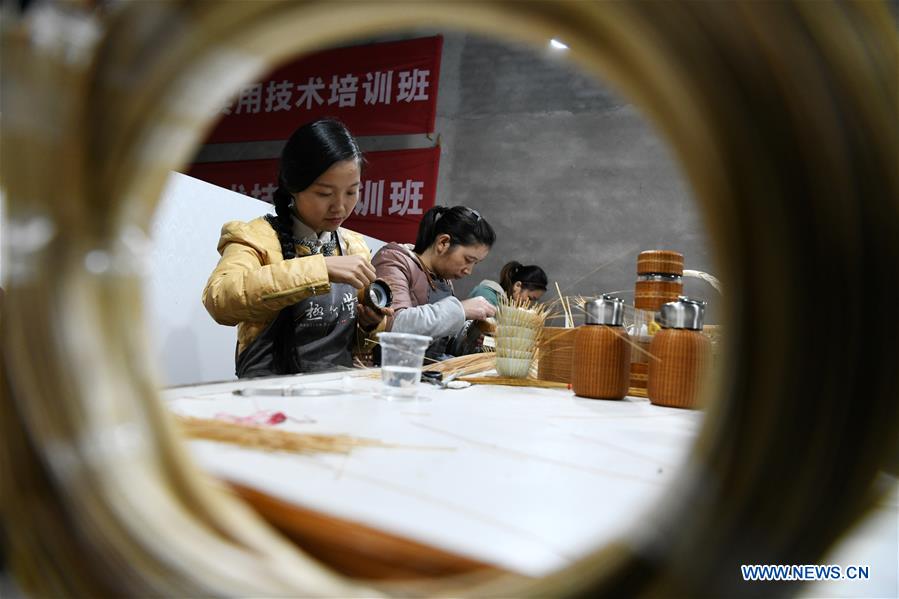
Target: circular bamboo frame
x=784 y=120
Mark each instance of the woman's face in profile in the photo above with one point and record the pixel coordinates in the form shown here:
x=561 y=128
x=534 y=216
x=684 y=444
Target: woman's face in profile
x=457 y=261
x=330 y=200
x=519 y=293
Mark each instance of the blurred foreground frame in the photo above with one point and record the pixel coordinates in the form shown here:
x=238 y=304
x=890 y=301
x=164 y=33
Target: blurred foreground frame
x=783 y=117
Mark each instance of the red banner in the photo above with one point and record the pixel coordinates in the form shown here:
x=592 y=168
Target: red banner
x=398 y=187
x=377 y=89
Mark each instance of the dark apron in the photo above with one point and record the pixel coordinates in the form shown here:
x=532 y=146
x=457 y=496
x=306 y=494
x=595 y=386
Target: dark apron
x=314 y=334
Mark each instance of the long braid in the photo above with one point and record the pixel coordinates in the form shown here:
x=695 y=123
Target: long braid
x=283 y=223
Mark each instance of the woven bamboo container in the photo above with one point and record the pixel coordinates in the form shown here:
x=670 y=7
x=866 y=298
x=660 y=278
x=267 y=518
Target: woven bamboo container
x=675 y=379
x=556 y=354
x=601 y=362
x=660 y=262
x=659 y=281
x=651 y=295
x=663 y=269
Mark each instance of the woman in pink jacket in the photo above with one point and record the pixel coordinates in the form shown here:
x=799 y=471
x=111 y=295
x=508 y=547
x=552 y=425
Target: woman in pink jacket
x=450 y=242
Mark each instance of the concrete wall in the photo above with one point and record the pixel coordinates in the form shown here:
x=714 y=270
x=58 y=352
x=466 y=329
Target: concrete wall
x=567 y=171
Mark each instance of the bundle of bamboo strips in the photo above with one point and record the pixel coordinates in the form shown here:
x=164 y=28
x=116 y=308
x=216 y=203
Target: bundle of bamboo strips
x=268 y=438
x=464 y=365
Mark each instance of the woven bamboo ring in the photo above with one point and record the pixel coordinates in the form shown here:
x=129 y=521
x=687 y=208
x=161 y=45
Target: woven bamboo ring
x=783 y=118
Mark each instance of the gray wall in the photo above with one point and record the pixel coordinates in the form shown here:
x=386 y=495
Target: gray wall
x=569 y=174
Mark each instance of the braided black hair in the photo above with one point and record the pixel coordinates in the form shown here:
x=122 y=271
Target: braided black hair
x=464 y=226
x=531 y=277
x=310 y=151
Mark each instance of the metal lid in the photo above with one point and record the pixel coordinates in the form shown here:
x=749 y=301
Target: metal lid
x=685 y=313
x=607 y=310
x=378 y=294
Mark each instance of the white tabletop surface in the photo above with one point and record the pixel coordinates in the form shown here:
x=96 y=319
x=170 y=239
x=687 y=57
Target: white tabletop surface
x=527 y=479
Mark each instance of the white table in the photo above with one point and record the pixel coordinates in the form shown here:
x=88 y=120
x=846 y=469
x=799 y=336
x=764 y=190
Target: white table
x=523 y=478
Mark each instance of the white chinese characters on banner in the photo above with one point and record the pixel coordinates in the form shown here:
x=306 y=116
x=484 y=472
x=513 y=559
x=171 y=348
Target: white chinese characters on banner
x=371 y=201
x=343 y=90
x=412 y=85
x=405 y=197
x=377 y=88
x=278 y=96
x=309 y=92
x=249 y=100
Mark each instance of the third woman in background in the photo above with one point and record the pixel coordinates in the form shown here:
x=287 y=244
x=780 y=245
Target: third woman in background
x=517 y=282
x=450 y=242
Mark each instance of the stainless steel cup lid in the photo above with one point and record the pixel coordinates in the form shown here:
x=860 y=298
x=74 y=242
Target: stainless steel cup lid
x=607 y=310
x=379 y=295
x=685 y=313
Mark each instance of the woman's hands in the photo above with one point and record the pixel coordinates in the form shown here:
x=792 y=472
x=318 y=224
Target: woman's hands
x=368 y=318
x=354 y=270
x=357 y=271
x=477 y=308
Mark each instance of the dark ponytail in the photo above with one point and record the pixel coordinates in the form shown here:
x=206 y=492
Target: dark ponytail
x=531 y=277
x=464 y=226
x=310 y=151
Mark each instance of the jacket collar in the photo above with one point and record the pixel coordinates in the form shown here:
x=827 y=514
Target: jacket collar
x=408 y=249
x=302 y=232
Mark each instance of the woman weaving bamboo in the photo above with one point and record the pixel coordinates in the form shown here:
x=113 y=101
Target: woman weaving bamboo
x=450 y=242
x=289 y=281
x=517 y=282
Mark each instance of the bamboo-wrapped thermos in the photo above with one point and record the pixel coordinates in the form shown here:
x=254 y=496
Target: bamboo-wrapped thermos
x=682 y=355
x=602 y=351
x=659 y=280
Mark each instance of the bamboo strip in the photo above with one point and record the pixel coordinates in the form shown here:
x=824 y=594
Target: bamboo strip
x=513 y=382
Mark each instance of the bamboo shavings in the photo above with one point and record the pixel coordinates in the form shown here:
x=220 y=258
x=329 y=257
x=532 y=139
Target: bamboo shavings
x=270 y=439
x=704 y=276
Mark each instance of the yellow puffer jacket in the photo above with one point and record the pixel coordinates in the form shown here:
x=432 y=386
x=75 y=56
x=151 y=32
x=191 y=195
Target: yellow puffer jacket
x=252 y=282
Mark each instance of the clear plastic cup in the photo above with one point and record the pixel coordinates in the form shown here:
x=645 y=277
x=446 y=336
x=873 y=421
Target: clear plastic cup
x=402 y=355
